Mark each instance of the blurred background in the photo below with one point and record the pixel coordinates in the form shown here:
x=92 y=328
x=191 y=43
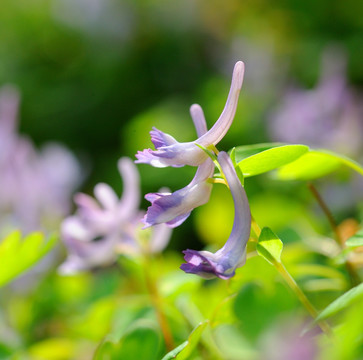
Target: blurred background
x=95 y=75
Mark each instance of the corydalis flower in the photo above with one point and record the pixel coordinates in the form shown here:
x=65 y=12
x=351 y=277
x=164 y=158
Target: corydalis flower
x=106 y=225
x=91 y=236
x=224 y=262
x=174 y=208
x=328 y=115
x=170 y=152
x=35 y=186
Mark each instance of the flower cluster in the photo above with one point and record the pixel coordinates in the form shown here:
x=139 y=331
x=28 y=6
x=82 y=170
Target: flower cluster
x=106 y=225
x=329 y=115
x=174 y=208
x=35 y=186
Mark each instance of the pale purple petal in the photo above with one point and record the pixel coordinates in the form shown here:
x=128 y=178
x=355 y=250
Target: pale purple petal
x=224 y=262
x=169 y=152
x=173 y=209
x=180 y=154
x=106 y=196
x=86 y=255
x=160 y=238
x=159 y=138
x=130 y=200
x=197 y=115
x=9 y=105
x=220 y=128
x=147 y=157
x=86 y=202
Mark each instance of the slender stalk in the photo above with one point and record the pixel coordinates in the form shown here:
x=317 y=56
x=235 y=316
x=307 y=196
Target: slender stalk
x=354 y=277
x=156 y=301
x=295 y=287
x=327 y=213
x=302 y=297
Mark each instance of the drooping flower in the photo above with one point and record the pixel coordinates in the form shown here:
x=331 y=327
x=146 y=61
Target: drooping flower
x=106 y=225
x=174 y=208
x=169 y=152
x=224 y=262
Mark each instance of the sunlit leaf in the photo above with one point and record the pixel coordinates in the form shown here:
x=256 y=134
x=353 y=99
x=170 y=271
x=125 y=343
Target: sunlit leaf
x=17 y=255
x=183 y=351
x=269 y=246
x=271 y=159
x=355 y=240
x=175 y=352
x=245 y=151
x=314 y=164
x=53 y=349
x=342 y=302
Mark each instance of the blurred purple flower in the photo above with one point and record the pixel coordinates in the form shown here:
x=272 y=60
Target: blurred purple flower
x=327 y=116
x=35 y=187
x=106 y=225
x=232 y=255
x=174 y=208
x=169 y=152
x=285 y=340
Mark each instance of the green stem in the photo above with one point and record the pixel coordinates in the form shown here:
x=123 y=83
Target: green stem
x=354 y=277
x=156 y=301
x=295 y=287
x=302 y=297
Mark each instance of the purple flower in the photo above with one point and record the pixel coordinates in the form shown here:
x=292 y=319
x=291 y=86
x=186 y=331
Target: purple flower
x=174 y=208
x=35 y=186
x=106 y=225
x=328 y=115
x=224 y=262
x=170 y=152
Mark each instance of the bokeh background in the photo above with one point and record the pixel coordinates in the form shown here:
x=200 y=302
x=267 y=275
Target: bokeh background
x=96 y=75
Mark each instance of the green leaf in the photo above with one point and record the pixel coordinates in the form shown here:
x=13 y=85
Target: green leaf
x=355 y=240
x=17 y=255
x=183 y=351
x=238 y=169
x=174 y=353
x=269 y=246
x=315 y=164
x=244 y=151
x=342 y=302
x=53 y=349
x=271 y=159
x=141 y=341
x=257 y=306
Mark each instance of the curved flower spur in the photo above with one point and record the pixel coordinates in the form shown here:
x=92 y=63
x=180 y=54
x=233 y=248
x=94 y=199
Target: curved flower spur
x=170 y=152
x=174 y=208
x=232 y=255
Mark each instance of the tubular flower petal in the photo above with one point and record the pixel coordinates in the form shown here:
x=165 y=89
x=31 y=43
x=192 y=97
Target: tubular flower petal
x=174 y=208
x=224 y=262
x=169 y=152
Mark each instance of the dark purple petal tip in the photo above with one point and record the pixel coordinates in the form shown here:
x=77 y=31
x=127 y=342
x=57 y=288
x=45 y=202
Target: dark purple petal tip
x=203 y=266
